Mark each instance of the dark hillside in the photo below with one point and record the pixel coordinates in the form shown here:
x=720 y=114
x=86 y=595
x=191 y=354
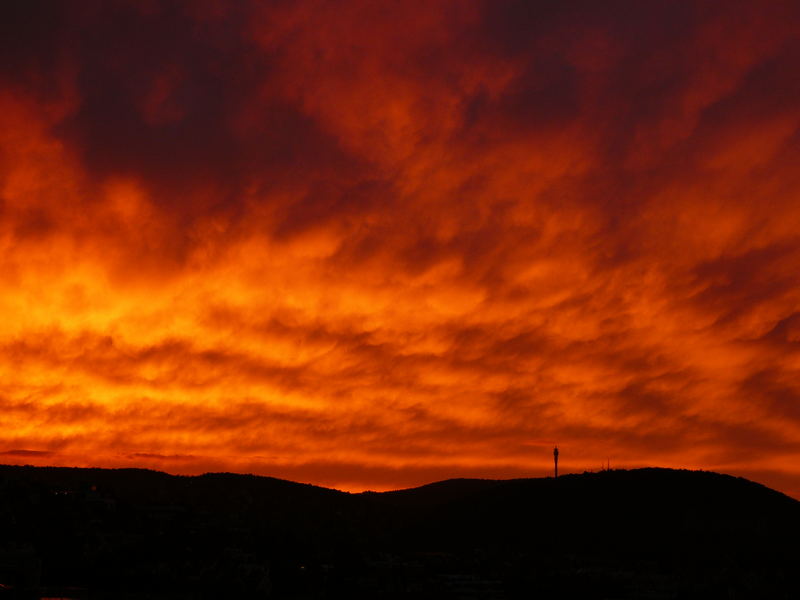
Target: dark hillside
x=647 y=533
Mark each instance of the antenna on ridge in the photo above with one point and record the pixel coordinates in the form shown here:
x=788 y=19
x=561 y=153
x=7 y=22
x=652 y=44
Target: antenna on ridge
x=555 y=460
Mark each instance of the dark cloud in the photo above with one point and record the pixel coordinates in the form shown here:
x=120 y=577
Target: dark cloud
x=160 y=457
x=27 y=453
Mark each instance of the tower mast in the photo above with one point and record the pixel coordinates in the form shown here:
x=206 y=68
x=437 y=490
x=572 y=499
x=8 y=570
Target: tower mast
x=555 y=460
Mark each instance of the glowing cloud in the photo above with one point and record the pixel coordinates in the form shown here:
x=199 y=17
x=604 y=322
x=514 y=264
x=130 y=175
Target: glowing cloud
x=369 y=245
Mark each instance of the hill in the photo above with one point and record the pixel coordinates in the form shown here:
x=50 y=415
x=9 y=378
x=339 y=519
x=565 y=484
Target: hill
x=646 y=533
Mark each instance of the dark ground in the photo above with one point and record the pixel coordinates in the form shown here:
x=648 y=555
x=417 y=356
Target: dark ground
x=647 y=533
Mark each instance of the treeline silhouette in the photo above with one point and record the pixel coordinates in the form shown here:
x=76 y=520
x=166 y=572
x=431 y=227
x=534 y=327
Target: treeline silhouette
x=646 y=533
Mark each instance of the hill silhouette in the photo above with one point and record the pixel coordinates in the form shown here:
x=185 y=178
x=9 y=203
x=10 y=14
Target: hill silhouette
x=645 y=533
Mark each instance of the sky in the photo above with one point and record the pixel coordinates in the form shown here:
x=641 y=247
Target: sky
x=370 y=245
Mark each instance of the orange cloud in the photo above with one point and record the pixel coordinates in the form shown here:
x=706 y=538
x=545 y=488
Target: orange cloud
x=369 y=246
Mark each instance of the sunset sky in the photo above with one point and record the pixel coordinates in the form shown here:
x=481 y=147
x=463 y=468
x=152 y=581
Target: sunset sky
x=371 y=245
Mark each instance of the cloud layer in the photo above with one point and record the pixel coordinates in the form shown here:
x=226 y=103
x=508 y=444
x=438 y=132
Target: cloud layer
x=369 y=245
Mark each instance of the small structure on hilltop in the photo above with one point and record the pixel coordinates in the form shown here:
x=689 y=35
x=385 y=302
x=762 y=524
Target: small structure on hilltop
x=555 y=459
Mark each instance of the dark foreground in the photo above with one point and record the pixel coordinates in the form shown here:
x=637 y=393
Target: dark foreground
x=648 y=533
